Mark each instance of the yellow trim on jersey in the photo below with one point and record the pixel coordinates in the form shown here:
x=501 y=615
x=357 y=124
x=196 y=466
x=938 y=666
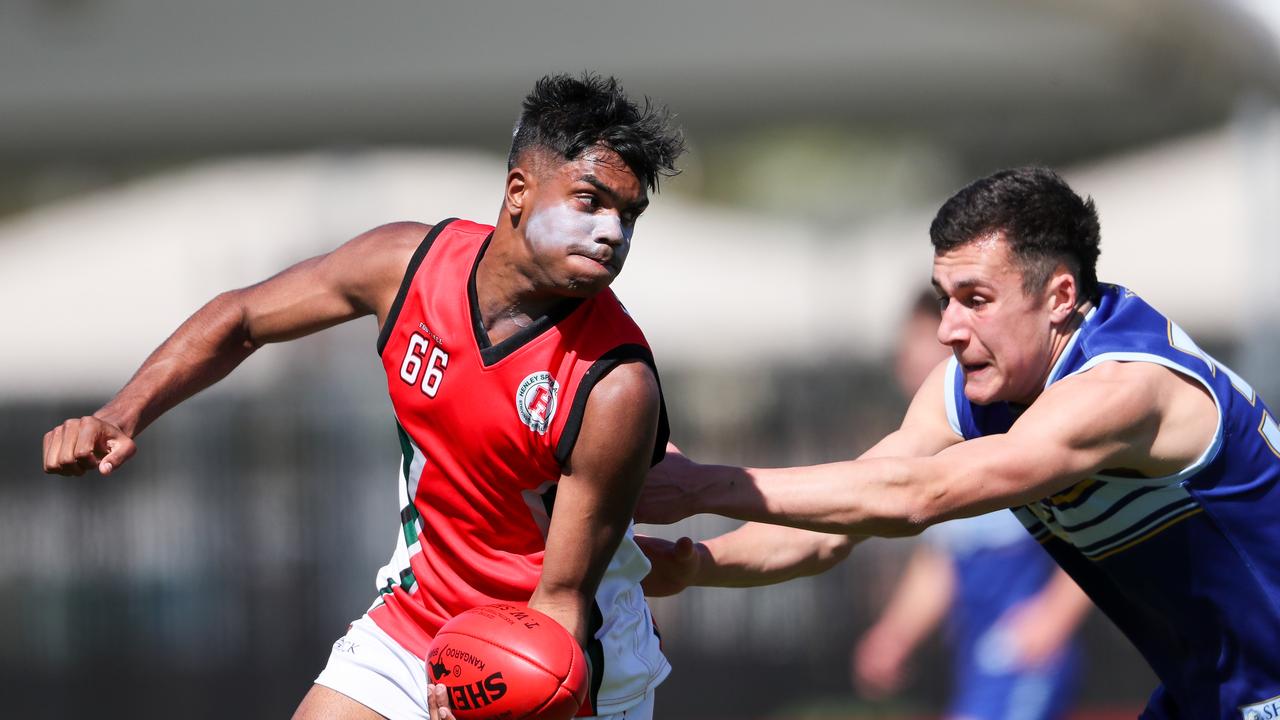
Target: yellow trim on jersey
x=1213 y=368
x=1253 y=399
x=1072 y=493
x=1262 y=430
x=1168 y=524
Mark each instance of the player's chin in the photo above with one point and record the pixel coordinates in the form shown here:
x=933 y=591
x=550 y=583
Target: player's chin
x=581 y=288
x=586 y=284
x=982 y=389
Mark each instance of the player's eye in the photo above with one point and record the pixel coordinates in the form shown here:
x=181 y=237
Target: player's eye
x=943 y=302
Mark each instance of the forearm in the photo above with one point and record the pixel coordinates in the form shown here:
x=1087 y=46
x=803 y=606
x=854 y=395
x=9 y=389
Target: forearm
x=760 y=554
x=569 y=607
x=203 y=350
x=577 y=555
x=596 y=497
x=864 y=497
x=890 y=496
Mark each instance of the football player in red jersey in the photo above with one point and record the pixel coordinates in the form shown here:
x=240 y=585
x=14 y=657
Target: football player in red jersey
x=519 y=310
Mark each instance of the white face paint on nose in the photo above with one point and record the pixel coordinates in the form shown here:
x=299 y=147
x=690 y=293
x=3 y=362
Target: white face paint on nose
x=609 y=228
x=610 y=231
x=561 y=226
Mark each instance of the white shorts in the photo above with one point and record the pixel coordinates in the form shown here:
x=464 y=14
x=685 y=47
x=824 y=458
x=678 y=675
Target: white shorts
x=369 y=667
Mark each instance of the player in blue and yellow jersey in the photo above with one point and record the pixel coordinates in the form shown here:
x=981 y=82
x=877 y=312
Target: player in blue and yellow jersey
x=1148 y=470
x=1009 y=614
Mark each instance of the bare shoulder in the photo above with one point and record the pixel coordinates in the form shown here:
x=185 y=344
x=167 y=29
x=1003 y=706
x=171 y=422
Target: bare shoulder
x=619 y=423
x=1140 y=384
x=1152 y=418
x=628 y=385
x=372 y=264
x=623 y=407
x=1105 y=398
x=390 y=244
x=1184 y=410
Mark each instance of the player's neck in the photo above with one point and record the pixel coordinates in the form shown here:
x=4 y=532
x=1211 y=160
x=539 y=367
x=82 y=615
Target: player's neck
x=508 y=294
x=1062 y=335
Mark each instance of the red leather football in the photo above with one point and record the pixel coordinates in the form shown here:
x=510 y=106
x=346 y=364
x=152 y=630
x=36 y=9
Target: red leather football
x=508 y=662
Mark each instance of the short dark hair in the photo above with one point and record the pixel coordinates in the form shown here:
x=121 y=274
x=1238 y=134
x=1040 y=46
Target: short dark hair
x=570 y=115
x=1044 y=221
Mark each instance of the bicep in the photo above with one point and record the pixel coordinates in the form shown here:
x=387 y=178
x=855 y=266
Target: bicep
x=358 y=278
x=992 y=473
x=757 y=554
x=1077 y=428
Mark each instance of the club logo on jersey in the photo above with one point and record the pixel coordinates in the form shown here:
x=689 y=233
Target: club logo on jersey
x=536 y=401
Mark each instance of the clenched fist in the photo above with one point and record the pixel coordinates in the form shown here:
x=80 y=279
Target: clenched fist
x=79 y=444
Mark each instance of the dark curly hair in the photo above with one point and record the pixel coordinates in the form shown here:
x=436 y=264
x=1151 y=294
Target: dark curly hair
x=570 y=115
x=1044 y=221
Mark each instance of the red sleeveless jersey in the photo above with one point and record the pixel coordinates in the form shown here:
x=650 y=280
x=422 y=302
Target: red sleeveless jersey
x=485 y=431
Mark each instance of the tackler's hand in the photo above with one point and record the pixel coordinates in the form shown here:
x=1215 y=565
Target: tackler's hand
x=673 y=565
x=80 y=444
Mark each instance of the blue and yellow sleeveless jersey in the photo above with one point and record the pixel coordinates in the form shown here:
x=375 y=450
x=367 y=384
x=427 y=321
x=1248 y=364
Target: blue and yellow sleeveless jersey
x=1187 y=566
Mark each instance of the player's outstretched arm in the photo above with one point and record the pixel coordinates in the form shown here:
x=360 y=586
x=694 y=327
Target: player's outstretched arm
x=597 y=493
x=676 y=480
x=749 y=556
x=755 y=554
x=359 y=278
x=763 y=554
x=1136 y=416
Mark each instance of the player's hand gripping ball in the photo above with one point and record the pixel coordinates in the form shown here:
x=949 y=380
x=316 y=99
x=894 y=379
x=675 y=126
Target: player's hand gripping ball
x=508 y=662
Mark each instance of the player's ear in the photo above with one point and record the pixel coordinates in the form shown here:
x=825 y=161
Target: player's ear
x=1062 y=294
x=519 y=182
